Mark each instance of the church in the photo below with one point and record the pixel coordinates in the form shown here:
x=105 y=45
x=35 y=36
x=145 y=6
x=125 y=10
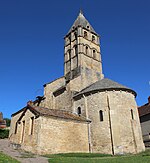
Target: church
x=81 y=111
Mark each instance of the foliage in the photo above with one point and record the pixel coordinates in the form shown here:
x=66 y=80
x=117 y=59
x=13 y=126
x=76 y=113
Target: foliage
x=6 y=159
x=143 y=157
x=4 y=133
x=7 y=122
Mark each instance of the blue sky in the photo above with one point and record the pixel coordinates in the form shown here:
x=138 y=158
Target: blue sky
x=32 y=45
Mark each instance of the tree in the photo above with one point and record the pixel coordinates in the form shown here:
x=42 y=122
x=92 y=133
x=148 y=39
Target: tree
x=7 y=122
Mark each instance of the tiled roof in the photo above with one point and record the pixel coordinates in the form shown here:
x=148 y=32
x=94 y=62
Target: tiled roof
x=104 y=84
x=42 y=111
x=144 y=110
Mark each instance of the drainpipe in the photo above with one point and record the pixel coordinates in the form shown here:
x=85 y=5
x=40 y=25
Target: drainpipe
x=110 y=124
x=88 y=125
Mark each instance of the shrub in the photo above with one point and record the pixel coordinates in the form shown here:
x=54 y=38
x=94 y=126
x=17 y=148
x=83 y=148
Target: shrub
x=4 y=133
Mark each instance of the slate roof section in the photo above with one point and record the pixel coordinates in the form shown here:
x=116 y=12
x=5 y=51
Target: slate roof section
x=81 y=21
x=42 y=111
x=104 y=84
x=144 y=110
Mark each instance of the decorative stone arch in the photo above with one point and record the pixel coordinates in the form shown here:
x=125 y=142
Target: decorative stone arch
x=94 y=53
x=93 y=38
x=85 y=34
x=87 y=49
x=68 y=53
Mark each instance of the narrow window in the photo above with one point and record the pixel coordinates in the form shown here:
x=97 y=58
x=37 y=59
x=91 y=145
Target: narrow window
x=85 y=34
x=79 y=111
x=75 y=50
x=32 y=124
x=132 y=114
x=75 y=35
x=69 y=54
x=69 y=38
x=16 y=126
x=86 y=50
x=101 y=115
x=94 y=54
x=93 y=38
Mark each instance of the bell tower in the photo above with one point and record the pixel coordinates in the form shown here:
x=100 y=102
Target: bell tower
x=82 y=57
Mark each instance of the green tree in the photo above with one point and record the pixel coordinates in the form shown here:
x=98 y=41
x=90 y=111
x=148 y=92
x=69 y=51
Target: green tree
x=7 y=122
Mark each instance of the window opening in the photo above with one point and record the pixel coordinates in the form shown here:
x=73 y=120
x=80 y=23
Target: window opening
x=101 y=115
x=94 y=54
x=93 y=38
x=132 y=114
x=75 y=35
x=85 y=34
x=79 y=111
x=86 y=50
x=75 y=49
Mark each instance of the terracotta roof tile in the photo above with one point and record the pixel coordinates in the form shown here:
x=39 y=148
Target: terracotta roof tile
x=55 y=113
x=144 y=110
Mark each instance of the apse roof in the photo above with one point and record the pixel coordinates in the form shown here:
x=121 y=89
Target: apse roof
x=81 y=21
x=104 y=84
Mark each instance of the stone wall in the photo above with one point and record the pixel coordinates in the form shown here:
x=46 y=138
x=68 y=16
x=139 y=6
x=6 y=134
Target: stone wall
x=48 y=92
x=62 y=136
x=28 y=141
x=118 y=133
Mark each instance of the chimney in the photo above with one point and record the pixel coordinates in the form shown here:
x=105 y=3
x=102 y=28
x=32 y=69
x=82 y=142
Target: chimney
x=149 y=100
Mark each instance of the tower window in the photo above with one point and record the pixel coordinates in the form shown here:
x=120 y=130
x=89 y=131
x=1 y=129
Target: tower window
x=69 y=54
x=86 y=50
x=88 y=27
x=93 y=38
x=75 y=50
x=75 y=35
x=101 y=115
x=85 y=34
x=94 y=54
x=79 y=111
x=132 y=114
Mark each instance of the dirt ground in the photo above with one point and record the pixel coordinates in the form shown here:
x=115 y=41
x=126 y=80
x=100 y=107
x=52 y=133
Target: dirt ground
x=22 y=156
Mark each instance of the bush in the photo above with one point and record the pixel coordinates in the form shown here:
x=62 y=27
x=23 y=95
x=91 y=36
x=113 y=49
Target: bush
x=4 y=133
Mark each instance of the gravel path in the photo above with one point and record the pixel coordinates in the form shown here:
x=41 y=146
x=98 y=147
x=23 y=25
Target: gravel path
x=22 y=156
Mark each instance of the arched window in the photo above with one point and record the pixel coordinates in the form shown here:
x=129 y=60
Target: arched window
x=69 y=54
x=85 y=34
x=101 y=115
x=93 y=38
x=86 y=50
x=79 y=111
x=132 y=114
x=75 y=35
x=69 y=38
x=75 y=50
x=94 y=54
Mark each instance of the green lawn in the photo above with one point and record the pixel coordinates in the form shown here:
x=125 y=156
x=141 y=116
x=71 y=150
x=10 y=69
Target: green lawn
x=7 y=159
x=143 y=157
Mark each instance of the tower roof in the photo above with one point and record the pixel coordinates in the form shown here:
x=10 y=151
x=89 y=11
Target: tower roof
x=81 y=21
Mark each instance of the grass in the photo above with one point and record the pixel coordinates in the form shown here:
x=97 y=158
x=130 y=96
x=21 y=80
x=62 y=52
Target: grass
x=7 y=159
x=143 y=157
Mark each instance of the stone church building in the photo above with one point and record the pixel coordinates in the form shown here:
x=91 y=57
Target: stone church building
x=81 y=111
